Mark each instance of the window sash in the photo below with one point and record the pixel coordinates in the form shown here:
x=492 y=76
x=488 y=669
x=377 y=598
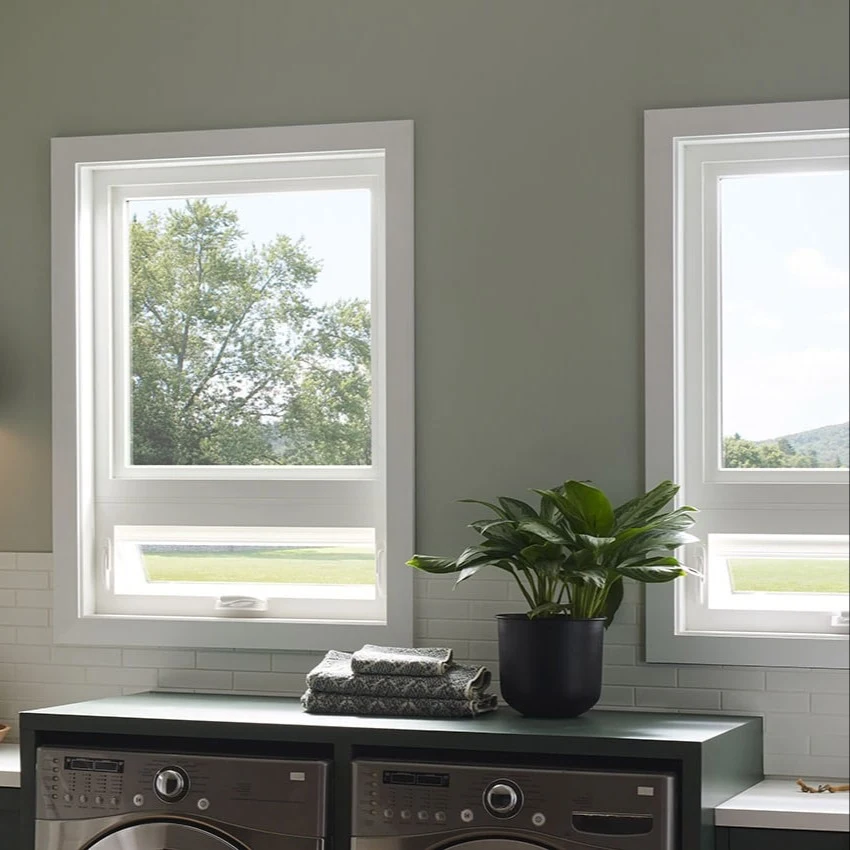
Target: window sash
x=379 y=497
x=111 y=188
x=739 y=502
x=699 y=329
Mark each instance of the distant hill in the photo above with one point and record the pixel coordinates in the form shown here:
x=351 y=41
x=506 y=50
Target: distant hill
x=828 y=442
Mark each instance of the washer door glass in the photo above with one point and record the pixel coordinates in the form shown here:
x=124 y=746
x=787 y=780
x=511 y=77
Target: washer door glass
x=496 y=844
x=162 y=836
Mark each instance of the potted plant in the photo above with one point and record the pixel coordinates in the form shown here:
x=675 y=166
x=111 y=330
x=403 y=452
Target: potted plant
x=569 y=558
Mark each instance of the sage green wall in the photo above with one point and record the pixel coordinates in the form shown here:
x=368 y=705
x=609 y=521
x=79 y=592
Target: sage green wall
x=528 y=191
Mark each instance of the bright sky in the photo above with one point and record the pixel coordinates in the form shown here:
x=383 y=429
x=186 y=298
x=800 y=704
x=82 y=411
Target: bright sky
x=784 y=243
x=335 y=224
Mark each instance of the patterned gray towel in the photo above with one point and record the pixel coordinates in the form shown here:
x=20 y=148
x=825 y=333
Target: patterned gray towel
x=400 y=661
x=333 y=675
x=319 y=703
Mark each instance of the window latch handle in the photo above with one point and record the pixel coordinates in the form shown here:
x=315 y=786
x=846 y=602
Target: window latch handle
x=106 y=565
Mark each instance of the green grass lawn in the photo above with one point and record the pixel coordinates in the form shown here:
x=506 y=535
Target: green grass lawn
x=790 y=575
x=325 y=565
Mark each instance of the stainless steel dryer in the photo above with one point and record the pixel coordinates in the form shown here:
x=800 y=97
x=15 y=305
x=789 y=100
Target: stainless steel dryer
x=466 y=807
x=105 y=800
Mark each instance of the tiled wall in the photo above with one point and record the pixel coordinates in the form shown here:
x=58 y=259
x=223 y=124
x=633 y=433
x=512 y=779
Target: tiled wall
x=805 y=711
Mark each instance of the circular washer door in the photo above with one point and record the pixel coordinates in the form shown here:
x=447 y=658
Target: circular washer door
x=162 y=835
x=495 y=844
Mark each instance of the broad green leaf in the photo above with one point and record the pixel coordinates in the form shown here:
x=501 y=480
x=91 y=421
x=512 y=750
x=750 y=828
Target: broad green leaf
x=517 y=509
x=613 y=601
x=546 y=531
x=467 y=572
x=496 y=510
x=430 y=564
x=641 y=509
x=592 y=505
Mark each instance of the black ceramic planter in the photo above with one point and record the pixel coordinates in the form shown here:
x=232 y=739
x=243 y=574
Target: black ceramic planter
x=550 y=667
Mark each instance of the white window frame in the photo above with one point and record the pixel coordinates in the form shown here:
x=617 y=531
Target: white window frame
x=95 y=489
x=686 y=150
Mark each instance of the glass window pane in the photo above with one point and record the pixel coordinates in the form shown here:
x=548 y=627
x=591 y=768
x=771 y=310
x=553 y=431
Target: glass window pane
x=290 y=562
x=251 y=329
x=789 y=575
x=784 y=291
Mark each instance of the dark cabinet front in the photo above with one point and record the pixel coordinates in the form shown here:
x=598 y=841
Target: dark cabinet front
x=10 y=819
x=736 y=838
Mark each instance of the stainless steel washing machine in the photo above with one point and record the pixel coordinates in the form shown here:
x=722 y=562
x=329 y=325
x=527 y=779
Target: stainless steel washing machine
x=436 y=806
x=107 y=800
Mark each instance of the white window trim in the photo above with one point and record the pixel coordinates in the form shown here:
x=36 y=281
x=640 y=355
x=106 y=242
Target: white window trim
x=665 y=426
x=74 y=455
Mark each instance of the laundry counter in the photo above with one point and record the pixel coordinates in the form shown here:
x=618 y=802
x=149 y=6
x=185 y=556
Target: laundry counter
x=713 y=757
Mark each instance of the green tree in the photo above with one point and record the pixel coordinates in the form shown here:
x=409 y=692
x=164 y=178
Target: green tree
x=739 y=453
x=327 y=420
x=226 y=346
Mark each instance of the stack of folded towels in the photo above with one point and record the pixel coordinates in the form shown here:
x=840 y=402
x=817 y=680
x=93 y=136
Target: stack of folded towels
x=386 y=680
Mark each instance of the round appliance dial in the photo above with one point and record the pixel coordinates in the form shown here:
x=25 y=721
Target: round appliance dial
x=503 y=798
x=171 y=784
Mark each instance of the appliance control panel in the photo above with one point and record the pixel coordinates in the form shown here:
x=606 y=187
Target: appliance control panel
x=601 y=808
x=76 y=784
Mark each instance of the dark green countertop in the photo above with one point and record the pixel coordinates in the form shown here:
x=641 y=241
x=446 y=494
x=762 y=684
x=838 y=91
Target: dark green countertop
x=270 y=715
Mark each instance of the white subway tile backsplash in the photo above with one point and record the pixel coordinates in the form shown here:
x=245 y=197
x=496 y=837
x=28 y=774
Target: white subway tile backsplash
x=450 y=609
x=831 y=704
x=23 y=616
x=685 y=698
x=15 y=579
x=805 y=724
x=805 y=711
x=812 y=768
x=764 y=701
x=821 y=681
x=188 y=680
x=157 y=658
x=38 y=561
x=721 y=678
x=616 y=695
x=829 y=745
x=787 y=744
x=642 y=674
x=142 y=677
x=89 y=656
x=261 y=661
x=35 y=635
x=278 y=683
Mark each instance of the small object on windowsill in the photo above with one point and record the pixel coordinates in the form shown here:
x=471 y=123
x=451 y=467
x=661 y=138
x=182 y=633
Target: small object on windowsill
x=811 y=789
x=4 y=730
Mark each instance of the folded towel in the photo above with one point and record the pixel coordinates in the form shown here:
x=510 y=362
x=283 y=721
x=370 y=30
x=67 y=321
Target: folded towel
x=319 y=703
x=400 y=661
x=333 y=675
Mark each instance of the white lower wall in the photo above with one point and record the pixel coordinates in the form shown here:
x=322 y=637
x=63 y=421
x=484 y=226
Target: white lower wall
x=805 y=711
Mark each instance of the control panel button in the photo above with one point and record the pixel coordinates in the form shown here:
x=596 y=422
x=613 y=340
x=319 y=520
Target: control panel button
x=67 y=798
x=422 y=815
x=171 y=784
x=503 y=799
x=83 y=799
x=203 y=804
x=139 y=800
x=467 y=815
x=98 y=800
x=406 y=814
x=388 y=813
x=538 y=819
x=114 y=801
x=440 y=817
